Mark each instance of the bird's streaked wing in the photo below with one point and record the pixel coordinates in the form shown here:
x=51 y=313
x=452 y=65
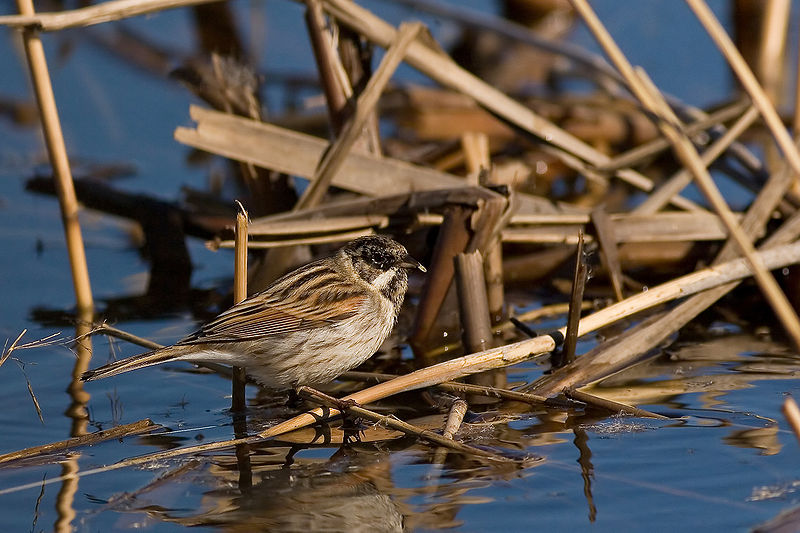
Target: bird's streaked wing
x=324 y=298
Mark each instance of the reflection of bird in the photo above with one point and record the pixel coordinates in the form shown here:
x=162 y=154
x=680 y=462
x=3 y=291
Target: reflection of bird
x=308 y=327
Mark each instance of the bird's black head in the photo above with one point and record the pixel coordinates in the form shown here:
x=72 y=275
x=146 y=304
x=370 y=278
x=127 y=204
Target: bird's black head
x=382 y=262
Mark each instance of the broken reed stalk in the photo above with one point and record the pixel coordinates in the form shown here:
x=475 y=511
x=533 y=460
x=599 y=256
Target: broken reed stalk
x=397 y=424
x=239 y=376
x=95 y=14
x=454 y=235
x=495 y=290
x=475 y=146
x=792 y=414
x=451 y=426
x=472 y=303
x=772 y=48
x=669 y=125
x=57 y=150
x=473 y=312
x=748 y=81
x=604 y=229
x=796 y=116
x=611 y=405
x=118 y=432
x=470 y=388
x=326 y=64
x=575 y=305
x=334 y=158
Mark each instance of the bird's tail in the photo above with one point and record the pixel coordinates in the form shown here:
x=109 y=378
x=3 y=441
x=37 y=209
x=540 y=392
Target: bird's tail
x=162 y=355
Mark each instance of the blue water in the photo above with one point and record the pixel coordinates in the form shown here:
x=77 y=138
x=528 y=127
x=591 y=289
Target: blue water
x=727 y=465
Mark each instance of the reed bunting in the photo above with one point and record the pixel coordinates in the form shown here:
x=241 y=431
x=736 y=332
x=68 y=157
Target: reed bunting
x=306 y=328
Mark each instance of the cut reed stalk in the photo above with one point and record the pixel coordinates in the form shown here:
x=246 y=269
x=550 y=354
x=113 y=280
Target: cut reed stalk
x=454 y=419
x=473 y=307
x=472 y=303
x=239 y=376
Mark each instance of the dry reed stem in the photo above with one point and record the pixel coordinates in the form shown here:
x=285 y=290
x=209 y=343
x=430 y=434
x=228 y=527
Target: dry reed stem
x=607 y=239
x=335 y=156
x=652 y=99
x=796 y=117
x=669 y=226
x=297 y=154
x=475 y=146
x=441 y=68
x=283 y=243
x=683 y=177
x=748 y=81
x=469 y=388
x=7 y=351
x=96 y=14
x=638 y=154
x=611 y=405
x=57 y=150
x=473 y=305
x=238 y=374
x=117 y=432
x=397 y=424
x=328 y=64
x=792 y=414
x=580 y=276
x=454 y=419
x=771 y=53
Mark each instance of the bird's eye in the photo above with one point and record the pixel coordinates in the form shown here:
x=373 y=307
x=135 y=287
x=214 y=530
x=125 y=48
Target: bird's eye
x=378 y=258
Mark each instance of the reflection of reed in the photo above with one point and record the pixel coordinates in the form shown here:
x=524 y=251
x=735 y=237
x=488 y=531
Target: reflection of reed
x=698 y=368
x=80 y=420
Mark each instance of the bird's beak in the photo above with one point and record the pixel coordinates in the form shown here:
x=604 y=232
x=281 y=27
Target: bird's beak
x=411 y=263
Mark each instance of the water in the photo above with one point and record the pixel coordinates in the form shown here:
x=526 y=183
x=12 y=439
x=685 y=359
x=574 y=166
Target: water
x=726 y=463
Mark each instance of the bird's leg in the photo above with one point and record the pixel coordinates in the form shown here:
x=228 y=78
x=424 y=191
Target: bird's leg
x=350 y=426
x=294 y=399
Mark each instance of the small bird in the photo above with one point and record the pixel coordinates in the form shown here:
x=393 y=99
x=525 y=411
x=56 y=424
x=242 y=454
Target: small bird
x=308 y=327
